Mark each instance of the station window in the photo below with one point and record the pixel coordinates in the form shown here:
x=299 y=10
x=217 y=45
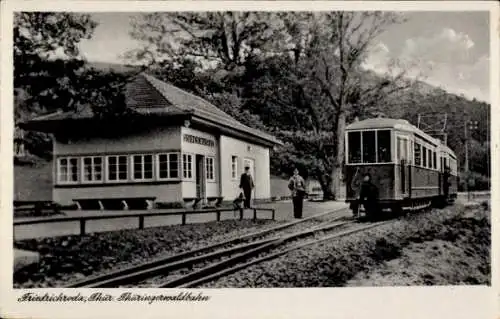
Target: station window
x=210 y=168
x=168 y=165
x=142 y=167
x=187 y=165
x=117 y=168
x=418 y=159
x=234 y=167
x=67 y=170
x=92 y=168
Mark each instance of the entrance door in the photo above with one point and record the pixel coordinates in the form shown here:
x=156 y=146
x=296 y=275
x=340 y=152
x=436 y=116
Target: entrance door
x=200 y=176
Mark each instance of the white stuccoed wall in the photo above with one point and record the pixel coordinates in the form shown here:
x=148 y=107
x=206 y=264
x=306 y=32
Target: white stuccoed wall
x=229 y=147
x=156 y=139
x=164 y=139
x=189 y=187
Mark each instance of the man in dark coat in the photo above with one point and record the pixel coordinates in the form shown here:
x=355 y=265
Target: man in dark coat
x=368 y=195
x=246 y=184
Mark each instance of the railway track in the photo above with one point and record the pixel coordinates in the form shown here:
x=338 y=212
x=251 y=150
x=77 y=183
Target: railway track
x=241 y=246
x=212 y=273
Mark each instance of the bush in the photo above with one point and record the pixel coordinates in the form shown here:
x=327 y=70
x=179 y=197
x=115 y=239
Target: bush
x=479 y=182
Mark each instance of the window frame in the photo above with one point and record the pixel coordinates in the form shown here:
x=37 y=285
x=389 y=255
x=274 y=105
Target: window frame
x=58 y=170
x=92 y=171
x=127 y=170
x=234 y=167
x=143 y=168
x=212 y=159
x=193 y=173
x=169 y=175
x=391 y=148
x=420 y=159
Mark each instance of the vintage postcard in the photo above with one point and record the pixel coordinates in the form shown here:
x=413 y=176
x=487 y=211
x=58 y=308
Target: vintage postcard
x=186 y=159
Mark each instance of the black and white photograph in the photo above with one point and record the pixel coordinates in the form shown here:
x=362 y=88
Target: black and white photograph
x=204 y=149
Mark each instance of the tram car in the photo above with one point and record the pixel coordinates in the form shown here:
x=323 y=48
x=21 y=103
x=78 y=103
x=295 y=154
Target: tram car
x=407 y=169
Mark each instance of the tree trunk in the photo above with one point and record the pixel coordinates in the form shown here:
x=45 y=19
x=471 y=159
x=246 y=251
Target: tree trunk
x=339 y=158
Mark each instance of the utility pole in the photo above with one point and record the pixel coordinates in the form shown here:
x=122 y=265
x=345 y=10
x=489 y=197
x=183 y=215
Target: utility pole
x=469 y=126
x=466 y=164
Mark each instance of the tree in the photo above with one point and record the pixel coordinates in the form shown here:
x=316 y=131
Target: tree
x=340 y=48
x=47 y=59
x=316 y=81
x=50 y=74
x=41 y=75
x=226 y=37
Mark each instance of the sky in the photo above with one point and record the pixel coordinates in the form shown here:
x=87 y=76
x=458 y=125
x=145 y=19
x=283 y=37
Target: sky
x=449 y=49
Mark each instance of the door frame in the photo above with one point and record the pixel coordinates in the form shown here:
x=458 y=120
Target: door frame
x=200 y=176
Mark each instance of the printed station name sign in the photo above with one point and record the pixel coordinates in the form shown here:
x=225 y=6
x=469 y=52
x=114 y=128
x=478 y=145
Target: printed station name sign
x=198 y=140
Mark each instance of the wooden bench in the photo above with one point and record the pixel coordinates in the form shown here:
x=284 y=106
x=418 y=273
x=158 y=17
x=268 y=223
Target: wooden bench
x=191 y=202
x=38 y=208
x=124 y=203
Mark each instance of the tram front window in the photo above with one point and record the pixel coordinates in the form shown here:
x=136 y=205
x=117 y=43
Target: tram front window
x=384 y=146
x=369 y=155
x=354 y=144
x=369 y=147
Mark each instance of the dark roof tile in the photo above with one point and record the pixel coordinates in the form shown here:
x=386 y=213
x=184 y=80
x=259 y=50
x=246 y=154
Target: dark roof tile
x=148 y=95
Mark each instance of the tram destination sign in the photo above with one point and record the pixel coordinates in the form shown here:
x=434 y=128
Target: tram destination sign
x=198 y=140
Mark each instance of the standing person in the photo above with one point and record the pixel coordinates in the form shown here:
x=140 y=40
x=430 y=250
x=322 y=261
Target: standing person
x=246 y=184
x=369 y=195
x=298 y=188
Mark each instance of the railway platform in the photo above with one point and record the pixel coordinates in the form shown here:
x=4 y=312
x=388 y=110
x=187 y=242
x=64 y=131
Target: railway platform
x=283 y=211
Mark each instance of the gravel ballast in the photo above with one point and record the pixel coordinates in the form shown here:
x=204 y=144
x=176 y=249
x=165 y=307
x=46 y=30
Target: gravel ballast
x=455 y=233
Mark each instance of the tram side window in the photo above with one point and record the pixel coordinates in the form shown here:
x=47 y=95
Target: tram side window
x=424 y=156
x=354 y=144
x=429 y=156
x=434 y=160
x=417 y=155
x=412 y=151
x=384 y=146
x=369 y=147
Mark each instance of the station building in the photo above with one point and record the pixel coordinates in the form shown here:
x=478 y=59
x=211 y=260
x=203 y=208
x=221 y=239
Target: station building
x=177 y=148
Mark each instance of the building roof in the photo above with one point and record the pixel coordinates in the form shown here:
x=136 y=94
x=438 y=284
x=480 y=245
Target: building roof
x=148 y=95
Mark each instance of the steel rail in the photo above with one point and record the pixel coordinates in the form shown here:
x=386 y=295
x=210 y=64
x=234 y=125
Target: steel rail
x=215 y=267
x=227 y=271
x=122 y=275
